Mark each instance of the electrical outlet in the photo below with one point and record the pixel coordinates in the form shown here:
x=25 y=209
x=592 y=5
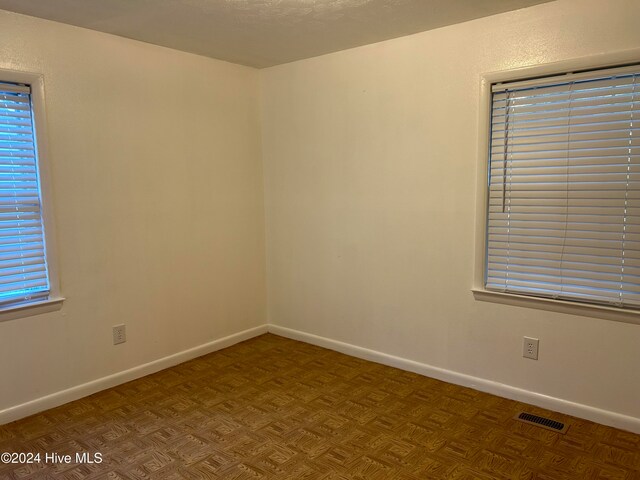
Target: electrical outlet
x=530 y=348
x=119 y=334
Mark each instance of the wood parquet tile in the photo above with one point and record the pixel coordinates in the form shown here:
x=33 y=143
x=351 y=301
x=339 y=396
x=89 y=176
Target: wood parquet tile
x=273 y=408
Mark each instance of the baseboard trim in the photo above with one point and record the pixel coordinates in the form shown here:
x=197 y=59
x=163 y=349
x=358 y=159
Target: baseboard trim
x=64 y=396
x=605 y=417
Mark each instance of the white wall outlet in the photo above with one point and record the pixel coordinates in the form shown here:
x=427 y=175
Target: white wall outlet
x=119 y=334
x=530 y=348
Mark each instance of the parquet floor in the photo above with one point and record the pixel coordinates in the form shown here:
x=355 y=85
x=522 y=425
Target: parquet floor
x=273 y=408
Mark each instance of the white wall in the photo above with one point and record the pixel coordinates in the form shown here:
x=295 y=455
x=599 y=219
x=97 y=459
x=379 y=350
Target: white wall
x=370 y=170
x=157 y=182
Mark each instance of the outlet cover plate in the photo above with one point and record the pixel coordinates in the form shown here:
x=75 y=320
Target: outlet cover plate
x=530 y=348
x=119 y=334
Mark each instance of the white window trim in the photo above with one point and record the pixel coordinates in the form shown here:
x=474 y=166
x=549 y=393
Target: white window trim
x=55 y=299
x=486 y=80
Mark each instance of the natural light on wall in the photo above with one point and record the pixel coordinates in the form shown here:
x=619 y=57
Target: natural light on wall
x=564 y=188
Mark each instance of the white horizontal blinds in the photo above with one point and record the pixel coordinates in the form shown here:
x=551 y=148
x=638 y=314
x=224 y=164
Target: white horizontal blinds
x=564 y=189
x=23 y=269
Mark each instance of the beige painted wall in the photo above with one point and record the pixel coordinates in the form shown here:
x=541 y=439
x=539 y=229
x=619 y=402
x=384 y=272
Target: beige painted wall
x=157 y=182
x=370 y=175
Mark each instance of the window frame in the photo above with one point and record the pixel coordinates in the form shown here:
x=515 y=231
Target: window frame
x=600 y=61
x=54 y=300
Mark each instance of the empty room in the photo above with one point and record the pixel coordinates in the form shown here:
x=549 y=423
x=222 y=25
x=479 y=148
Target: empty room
x=319 y=239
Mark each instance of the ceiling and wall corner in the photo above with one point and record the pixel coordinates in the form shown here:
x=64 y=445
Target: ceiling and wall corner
x=262 y=33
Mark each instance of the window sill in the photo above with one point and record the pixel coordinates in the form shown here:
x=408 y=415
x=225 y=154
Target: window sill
x=30 y=309
x=560 y=306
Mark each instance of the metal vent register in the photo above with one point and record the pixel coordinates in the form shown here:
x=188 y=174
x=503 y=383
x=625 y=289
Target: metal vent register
x=543 y=422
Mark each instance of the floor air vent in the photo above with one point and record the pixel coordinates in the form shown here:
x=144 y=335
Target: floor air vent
x=543 y=422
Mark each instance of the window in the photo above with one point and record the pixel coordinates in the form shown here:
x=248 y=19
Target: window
x=563 y=217
x=24 y=275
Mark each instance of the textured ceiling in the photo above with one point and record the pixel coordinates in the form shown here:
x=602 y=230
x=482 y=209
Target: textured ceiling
x=262 y=33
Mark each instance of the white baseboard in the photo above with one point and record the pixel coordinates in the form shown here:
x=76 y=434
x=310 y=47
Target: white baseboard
x=605 y=417
x=59 y=398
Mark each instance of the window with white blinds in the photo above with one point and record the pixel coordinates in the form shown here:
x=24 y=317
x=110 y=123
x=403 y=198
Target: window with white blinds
x=23 y=265
x=564 y=188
